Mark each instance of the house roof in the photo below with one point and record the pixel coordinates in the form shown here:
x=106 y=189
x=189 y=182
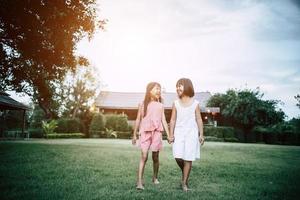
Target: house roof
x=130 y=100
x=8 y=103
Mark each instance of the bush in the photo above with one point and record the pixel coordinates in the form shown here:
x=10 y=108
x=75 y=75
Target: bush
x=223 y=132
x=116 y=122
x=268 y=134
x=65 y=135
x=36 y=133
x=49 y=127
x=124 y=135
x=282 y=133
x=97 y=124
x=68 y=125
x=214 y=139
x=15 y=134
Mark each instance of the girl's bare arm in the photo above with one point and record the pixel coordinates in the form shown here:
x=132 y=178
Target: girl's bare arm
x=165 y=124
x=173 y=122
x=200 y=124
x=137 y=124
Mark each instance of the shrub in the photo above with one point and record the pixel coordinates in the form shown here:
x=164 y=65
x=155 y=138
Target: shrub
x=65 y=135
x=110 y=133
x=36 y=133
x=215 y=139
x=97 y=124
x=49 y=127
x=116 y=122
x=68 y=125
x=219 y=132
x=124 y=135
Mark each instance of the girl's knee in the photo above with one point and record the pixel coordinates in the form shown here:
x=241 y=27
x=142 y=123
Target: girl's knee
x=155 y=157
x=144 y=158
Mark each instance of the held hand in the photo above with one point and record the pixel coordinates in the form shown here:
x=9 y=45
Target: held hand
x=201 y=140
x=170 y=139
x=133 y=140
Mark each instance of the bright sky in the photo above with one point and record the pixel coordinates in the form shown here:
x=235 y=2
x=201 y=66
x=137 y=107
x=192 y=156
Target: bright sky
x=218 y=44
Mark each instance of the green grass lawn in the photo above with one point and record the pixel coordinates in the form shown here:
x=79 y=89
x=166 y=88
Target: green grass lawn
x=106 y=169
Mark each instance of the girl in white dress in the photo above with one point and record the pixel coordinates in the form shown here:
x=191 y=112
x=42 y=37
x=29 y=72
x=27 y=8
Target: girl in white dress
x=186 y=129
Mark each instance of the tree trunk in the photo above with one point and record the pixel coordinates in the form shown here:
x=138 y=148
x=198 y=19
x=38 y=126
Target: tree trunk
x=46 y=109
x=74 y=112
x=44 y=96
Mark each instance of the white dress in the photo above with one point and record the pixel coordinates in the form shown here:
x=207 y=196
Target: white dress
x=186 y=144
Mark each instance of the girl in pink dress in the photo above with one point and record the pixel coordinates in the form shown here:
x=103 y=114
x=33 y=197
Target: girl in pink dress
x=150 y=122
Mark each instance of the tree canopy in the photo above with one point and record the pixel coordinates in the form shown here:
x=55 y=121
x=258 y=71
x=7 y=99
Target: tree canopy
x=246 y=108
x=38 y=42
x=297 y=97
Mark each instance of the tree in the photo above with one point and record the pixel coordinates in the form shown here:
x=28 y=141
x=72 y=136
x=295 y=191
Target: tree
x=245 y=109
x=298 y=100
x=38 y=42
x=36 y=117
x=78 y=91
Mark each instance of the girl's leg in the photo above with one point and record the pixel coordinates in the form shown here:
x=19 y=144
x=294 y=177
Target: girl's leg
x=186 y=173
x=180 y=163
x=155 y=158
x=143 y=160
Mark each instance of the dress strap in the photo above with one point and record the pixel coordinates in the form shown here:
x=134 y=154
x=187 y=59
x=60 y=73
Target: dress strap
x=195 y=104
x=176 y=103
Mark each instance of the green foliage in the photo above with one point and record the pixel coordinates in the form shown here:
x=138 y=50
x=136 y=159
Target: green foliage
x=219 y=132
x=297 y=97
x=111 y=133
x=116 y=122
x=15 y=133
x=38 y=43
x=245 y=109
x=37 y=117
x=110 y=126
x=97 y=124
x=67 y=125
x=49 y=127
x=124 y=134
x=213 y=139
x=65 y=135
x=296 y=123
x=281 y=133
x=130 y=127
x=36 y=133
x=78 y=91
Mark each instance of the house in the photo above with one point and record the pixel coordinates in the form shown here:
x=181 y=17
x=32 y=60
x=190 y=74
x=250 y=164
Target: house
x=8 y=103
x=127 y=103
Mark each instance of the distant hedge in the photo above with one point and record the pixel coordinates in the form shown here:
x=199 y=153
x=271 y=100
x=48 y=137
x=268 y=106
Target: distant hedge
x=277 y=134
x=36 y=133
x=97 y=124
x=224 y=133
x=65 y=135
x=68 y=125
x=116 y=122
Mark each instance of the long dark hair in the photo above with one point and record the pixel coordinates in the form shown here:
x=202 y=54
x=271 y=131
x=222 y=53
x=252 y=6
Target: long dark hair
x=147 y=98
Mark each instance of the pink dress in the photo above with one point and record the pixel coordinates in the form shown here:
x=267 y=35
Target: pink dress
x=151 y=128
